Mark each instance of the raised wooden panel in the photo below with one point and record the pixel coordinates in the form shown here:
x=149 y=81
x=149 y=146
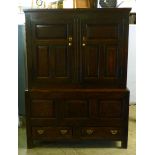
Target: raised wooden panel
x=100 y=62
x=61 y=62
x=43 y=108
x=42 y=61
x=76 y=109
x=101 y=31
x=110 y=108
x=55 y=31
x=111 y=53
x=53 y=64
x=91 y=62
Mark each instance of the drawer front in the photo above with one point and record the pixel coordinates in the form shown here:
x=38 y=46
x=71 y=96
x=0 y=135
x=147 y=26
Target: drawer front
x=101 y=132
x=48 y=133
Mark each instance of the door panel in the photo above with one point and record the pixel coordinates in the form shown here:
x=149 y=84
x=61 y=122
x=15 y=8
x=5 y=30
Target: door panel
x=42 y=53
x=111 y=61
x=62 y=63
x=110 y=108
x=43 y=108
x=76 y=109
x=102 y=31
x=51 y=31
x=101 y=52
x=91 y=62
x=52 y=58
x=53 y=64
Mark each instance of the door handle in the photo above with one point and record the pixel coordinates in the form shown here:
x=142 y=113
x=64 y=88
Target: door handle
x=70 y=41
x=83 y=41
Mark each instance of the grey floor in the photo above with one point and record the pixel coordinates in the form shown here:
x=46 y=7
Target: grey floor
x=84 y=148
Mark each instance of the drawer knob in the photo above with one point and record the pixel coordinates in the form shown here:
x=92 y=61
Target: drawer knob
x=63 y=132
x=89 y=131
x=114 y=132
x=40 y=132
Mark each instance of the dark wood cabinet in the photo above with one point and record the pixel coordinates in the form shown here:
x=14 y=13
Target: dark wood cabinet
x=77 y=70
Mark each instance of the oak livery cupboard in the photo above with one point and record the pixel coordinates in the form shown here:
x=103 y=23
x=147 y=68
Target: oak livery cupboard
x=76 y=74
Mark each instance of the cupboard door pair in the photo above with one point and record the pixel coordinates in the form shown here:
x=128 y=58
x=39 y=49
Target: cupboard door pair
x=86 y=49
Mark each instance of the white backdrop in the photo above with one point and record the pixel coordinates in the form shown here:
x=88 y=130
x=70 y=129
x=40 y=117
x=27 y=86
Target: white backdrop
x=131 y=77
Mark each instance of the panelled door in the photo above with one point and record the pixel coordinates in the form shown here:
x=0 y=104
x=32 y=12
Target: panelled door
x=51 y=53
x=102 y=51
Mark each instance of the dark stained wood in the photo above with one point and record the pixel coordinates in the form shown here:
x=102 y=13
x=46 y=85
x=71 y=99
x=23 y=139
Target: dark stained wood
x=75 y=108
x=104 y=39
x=45 y=133
x=101 y=132
x=81 y=108
x=54 y=59
x=77 y=72
x=43 y=108
x=42 y=61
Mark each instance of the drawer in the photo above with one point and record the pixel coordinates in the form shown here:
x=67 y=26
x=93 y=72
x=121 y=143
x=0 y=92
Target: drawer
x=101 y=132
x=48 y=133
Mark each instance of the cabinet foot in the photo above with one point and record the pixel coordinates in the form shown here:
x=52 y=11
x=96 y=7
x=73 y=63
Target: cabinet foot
x=124 y=144
x=30 y=144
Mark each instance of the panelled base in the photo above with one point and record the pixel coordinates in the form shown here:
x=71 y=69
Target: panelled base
x=79 y=114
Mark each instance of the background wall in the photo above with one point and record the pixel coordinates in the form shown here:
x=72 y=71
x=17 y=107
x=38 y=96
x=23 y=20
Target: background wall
x=21 y=69
x=131 y=77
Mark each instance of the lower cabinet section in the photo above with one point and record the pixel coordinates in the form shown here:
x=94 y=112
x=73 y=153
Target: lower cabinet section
x=77 y=115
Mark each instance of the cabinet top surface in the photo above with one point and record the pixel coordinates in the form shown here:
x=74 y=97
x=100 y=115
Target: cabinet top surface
x=127 y=10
